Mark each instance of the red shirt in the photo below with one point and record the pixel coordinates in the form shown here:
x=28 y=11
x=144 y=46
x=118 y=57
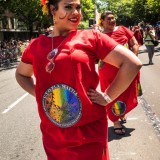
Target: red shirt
x=122 y=35
x=74 y=67
x=70 y=121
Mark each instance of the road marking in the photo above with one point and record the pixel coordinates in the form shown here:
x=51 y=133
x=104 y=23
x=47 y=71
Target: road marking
x=15 y=103
x=132 y=119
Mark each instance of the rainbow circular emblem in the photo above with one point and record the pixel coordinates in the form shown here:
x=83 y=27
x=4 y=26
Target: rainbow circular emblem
x=118 y=108
x=62 y=105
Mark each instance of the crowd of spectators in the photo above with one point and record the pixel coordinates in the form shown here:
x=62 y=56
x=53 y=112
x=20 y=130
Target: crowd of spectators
x=139 y=32
x=157 y=31
x=11 y=50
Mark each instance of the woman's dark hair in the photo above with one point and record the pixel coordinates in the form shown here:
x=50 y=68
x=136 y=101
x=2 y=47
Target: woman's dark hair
x=54 y=3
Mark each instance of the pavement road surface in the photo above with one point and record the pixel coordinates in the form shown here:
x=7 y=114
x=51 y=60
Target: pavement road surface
x=20 y=136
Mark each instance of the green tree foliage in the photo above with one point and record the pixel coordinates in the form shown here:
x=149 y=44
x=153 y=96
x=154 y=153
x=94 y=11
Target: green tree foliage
x=155 y=5
x=29 y=12
x=2 y=6
x=154 y=8
x=87 y=9
x=121 y=8
x=133 y=11
x=101 y=4
x=26 y=11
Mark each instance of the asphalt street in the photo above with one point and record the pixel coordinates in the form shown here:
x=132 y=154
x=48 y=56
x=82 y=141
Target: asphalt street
x=142 y=140
x=19 y=122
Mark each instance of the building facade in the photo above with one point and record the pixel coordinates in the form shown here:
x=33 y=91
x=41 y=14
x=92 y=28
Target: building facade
x=11 y=28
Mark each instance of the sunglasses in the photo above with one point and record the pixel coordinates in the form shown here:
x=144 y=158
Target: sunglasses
x=51 y=55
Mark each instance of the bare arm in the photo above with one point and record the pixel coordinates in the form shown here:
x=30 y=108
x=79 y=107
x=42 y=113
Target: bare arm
x=134 y=45
x=24 y=75
x=128 y=64
x=152 y=34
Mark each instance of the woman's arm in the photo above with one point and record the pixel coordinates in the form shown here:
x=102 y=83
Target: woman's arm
x=152 y=34
x=128 y=64
x=24 y=77
x=134 y=45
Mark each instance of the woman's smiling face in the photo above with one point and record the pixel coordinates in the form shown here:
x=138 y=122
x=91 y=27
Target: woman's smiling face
x=109 y=22
x=68 y=15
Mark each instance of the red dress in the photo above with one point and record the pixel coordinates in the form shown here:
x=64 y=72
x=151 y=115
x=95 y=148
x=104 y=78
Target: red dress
x=73 y=127
x=108 y=72
x=139 y=37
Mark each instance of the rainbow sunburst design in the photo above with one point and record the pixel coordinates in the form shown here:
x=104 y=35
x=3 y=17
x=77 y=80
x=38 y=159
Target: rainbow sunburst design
x=118 y=108
x=62 y=105
x=139 y=90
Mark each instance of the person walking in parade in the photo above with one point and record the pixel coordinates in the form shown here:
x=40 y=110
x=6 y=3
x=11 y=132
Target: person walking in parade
x=107 y=72
x=149 y=37
x=138 y=34
x=72 y=111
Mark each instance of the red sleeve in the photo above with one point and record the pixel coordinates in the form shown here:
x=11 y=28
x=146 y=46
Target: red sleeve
x=104 y=44
x=27 y=56
x=129 y=33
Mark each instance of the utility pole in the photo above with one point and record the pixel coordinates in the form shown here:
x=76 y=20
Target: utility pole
x=96 y=14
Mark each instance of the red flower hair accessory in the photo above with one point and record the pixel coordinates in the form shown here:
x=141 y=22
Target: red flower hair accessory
x=44 y=3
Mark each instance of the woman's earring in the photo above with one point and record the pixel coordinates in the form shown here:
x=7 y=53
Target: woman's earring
x=54 y=20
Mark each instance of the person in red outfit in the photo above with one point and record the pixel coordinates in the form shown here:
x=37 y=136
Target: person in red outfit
x=138 y=34
x=72 y=111
x=107 y=72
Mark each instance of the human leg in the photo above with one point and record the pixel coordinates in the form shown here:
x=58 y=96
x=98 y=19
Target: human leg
x=150 y=53
x=123 y=119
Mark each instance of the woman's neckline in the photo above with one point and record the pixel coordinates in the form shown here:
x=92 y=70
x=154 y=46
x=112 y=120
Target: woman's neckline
x=56 y=36
x=115 y=29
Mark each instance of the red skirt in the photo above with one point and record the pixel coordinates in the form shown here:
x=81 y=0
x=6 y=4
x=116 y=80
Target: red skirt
x=87 y=142
x=129 y=98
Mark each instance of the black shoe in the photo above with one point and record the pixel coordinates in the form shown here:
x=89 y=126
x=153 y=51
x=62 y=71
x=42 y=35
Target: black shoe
x=151 y=63
x=119 y=131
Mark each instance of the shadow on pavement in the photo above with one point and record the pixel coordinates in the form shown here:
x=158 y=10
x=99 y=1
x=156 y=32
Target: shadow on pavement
x=157 y=49
x=147 y=64
x=157 y=55
x=113 y=136
x=142 y=51
x=7 y=68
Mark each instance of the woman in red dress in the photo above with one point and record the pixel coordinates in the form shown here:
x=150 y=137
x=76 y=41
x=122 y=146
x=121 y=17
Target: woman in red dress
x=72 y=112
x=107 y=71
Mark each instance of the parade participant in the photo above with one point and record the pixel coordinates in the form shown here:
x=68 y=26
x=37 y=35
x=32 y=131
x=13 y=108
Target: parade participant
x=149 y=37
x=138 y=34
x=72 y=112
x=108 y=72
